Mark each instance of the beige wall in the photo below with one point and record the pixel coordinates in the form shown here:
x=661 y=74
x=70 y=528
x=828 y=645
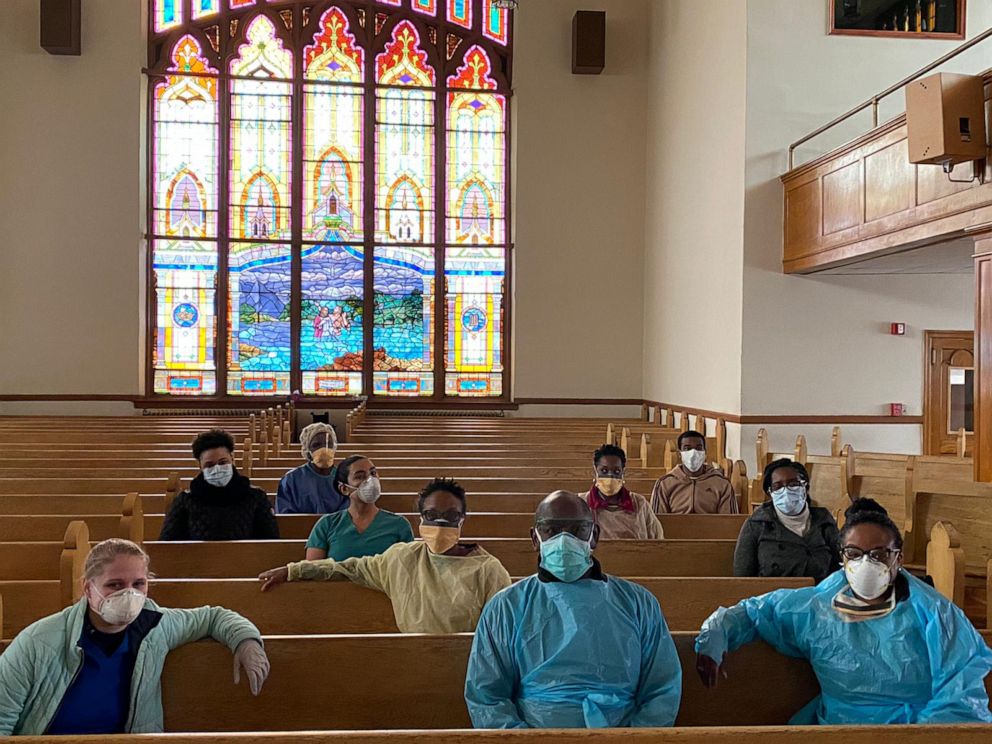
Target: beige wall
x=71 y=197
x=695 y=204
x=70 y=204
x=579 y=204
x=818 y=345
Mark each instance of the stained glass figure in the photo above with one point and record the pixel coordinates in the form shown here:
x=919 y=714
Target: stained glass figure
x=332 y=339
x=185 y=318
x=460 y=12
x=403 y=323
x=167 y=14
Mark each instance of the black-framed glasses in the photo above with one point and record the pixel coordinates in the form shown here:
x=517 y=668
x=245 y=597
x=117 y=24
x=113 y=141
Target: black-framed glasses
x=879 y=555
x=449 y=518
x=794 y=483
x=548 y=528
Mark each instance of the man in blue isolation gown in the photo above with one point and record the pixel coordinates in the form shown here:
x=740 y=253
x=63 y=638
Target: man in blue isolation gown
x=885 y=647
x=572 y=647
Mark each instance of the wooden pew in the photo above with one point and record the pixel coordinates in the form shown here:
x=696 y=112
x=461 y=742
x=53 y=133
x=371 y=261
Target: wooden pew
x=374 y=694
x=60 y=561
x=72 y=504
x=308 y=607
x=127 y=523
x=710 y=735
x=246 y=559
x=506 y=524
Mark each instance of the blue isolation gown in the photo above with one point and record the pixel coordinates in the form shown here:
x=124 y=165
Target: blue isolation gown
x=588 y=654
x=924 y=662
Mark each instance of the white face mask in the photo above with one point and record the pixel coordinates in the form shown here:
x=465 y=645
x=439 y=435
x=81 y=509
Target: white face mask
x=120 y=608
x=693 y=460
x=219 y=475
x=867 y=578
x=369 y=491
x=790 y=500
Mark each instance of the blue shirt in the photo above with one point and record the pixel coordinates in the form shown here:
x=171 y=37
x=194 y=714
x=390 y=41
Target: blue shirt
x=336 y=534
x=305 y=491
x=98 y=700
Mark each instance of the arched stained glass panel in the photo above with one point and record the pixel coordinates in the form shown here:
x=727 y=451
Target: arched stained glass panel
x=347 y=234
x=332 y=312
x=260 y=268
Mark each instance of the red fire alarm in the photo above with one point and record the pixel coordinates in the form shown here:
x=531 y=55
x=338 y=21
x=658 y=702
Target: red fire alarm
x=896 y=409
x=897 y=329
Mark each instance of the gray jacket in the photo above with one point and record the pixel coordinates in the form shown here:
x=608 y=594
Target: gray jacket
x=766 y=547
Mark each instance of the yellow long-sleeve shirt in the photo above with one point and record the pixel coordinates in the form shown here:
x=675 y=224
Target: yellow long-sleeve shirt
x=430 y=593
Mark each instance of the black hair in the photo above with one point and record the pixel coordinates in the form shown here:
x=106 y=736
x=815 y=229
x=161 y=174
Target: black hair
x=343 y=470
x=785 y=462
x=210 y=440
x=687 y=435
x=609 y=450
x=448 y=485
x=869 y=511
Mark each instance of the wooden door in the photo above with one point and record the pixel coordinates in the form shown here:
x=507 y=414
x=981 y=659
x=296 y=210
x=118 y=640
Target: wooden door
x=949 y=391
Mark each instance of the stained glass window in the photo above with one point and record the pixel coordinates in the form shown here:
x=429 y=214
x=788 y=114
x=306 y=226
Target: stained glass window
x=364 y=158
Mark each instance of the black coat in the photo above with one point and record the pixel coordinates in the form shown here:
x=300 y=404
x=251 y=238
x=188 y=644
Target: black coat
x=766 y=547
x=238 y=511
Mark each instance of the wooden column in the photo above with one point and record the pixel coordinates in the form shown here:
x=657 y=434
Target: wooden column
x=983 y=357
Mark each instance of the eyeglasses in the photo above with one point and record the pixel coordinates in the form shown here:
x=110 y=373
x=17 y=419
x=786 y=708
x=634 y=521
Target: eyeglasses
x=794 y=483
x=548 y=528
x=879 y=555
x=433 y=516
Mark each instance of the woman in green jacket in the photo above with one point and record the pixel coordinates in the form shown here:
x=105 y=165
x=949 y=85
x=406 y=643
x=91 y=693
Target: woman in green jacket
x=96 y=667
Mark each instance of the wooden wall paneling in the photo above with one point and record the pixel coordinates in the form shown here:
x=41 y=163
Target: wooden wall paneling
x=904 y=206
x=890 y=181
x=843 y=198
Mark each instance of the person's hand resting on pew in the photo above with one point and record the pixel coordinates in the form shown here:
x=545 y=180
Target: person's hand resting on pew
x=710 y=671
x=274 y=577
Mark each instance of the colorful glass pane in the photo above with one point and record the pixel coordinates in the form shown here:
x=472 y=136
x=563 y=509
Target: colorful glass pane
x=235 y=4
x=427 y=7
x=258 y=341
x=473 y=359
x=494 y=22
x=167 y=14
x=460 y=12
x=333 y=196
x=403 y=321
x=403 y=62
x=185 y=317
x=332 y=319
x=261 y=126
x=476 y=156
x=391 y=2
x=205 y=7
x=184 y=180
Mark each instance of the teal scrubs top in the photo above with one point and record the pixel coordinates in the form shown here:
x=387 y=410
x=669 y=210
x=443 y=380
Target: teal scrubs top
x=336 y=534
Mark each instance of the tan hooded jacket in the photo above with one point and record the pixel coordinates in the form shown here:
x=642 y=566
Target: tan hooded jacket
x=679 y=493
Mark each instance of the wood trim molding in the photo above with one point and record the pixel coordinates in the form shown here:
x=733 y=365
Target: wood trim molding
x=773 y=419
x=578 y=401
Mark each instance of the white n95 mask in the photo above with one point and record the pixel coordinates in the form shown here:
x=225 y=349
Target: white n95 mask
x=867 y=578
x=693 y=460
x=120 y=608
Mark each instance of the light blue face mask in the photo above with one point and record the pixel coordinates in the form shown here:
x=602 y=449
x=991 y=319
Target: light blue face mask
x=566 y=556
x=790 y=500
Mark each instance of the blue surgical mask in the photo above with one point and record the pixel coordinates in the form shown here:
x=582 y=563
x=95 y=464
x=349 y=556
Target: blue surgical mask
x=566 y=556
x=790 y=500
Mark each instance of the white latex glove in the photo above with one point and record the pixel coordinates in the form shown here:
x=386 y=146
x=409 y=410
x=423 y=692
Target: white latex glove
x=250 y=656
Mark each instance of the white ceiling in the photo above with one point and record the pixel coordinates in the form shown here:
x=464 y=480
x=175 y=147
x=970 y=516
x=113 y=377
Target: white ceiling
x=952 y=257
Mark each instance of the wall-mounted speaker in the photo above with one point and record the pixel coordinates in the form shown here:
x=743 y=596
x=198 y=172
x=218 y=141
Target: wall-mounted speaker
x=60 y=26
x=945 y=119
x=588 y=42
